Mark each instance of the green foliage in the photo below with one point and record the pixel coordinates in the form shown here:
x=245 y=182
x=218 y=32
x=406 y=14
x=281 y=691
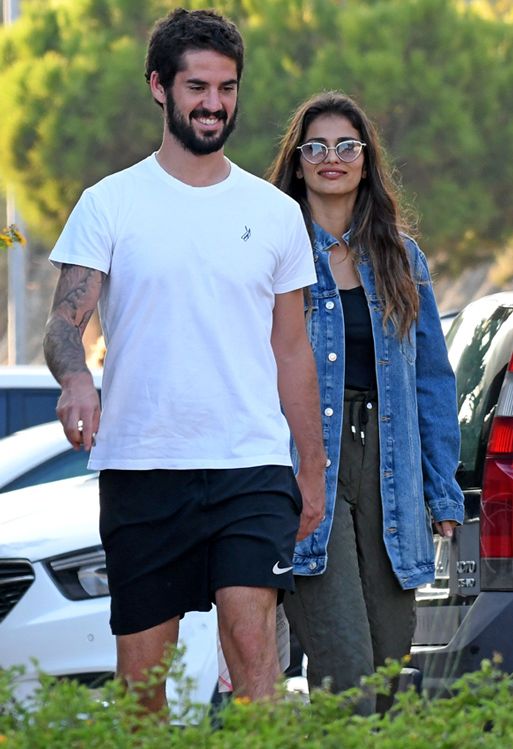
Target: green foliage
x=65 y=715
x=74 y=82
x=434 y=81
x=9 y=236
x=435 y=75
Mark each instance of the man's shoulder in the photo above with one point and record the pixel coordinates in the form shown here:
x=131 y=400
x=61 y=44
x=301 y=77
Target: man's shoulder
x=131 y=175
x=265 y=189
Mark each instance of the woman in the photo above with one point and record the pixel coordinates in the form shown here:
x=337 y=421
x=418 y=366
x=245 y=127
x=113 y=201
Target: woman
x=387 y=397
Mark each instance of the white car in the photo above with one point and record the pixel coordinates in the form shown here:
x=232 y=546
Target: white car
x=54 y=598
x=446 y=318
x=37 y=455
x=29 y=395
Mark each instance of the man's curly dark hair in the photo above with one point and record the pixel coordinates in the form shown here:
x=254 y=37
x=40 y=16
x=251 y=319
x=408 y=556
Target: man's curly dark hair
x=184 y=30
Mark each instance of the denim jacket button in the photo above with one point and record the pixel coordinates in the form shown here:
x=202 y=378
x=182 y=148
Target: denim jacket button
x=312 y=565
x=332 y=356
x=328 y=411
x=328 y=463
x=330 y=305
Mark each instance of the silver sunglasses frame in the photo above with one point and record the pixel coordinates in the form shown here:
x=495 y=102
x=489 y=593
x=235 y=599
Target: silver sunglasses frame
x=331 y=148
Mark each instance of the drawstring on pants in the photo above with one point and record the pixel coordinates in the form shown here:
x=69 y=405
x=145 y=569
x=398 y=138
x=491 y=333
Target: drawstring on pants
x=360 y=403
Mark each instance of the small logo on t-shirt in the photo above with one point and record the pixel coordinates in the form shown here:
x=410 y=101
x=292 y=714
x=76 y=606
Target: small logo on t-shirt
x=246 y=234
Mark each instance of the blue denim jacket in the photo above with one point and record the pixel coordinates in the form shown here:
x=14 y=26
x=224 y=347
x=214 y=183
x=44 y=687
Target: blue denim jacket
x=418 y=425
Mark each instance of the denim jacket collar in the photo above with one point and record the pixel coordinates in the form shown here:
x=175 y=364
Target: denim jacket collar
x=324 y=240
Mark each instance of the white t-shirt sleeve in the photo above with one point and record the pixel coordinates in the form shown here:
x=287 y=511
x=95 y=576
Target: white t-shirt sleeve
x=87 y=238
x=296 y=269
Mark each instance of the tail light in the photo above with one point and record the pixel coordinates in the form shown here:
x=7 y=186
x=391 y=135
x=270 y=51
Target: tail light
x=496 y=524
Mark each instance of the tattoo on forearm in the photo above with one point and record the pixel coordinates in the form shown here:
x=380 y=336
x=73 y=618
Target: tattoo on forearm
x=74 y=302
x=77 y=293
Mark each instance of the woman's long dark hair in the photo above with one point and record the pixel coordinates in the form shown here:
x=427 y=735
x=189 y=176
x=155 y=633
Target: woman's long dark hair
x=375 y=224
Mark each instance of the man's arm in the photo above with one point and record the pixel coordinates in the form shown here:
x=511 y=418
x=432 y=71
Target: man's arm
x=75 y=299
x=299 y=395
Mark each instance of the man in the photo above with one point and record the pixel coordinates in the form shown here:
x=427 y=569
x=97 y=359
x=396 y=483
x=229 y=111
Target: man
x=198 y=268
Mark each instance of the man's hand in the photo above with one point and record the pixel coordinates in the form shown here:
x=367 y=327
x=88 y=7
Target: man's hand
x=78 y=409
x=312 y=485
x=445 y=528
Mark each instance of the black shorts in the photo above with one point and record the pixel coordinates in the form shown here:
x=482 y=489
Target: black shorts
x=173 y=538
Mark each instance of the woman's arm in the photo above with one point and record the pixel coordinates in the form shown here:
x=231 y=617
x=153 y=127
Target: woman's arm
x=437 y=414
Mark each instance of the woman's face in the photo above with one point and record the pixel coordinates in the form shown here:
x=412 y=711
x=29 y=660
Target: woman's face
x=332 y=177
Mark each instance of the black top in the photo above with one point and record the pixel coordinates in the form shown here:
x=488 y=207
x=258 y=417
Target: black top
x=360 y=360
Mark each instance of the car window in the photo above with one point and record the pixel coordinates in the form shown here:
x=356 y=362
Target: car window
x=447 y=319
x=469 y=341
x=63 y=466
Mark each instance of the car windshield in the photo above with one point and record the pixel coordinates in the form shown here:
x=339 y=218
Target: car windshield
x=479 y=373
x=63 y=466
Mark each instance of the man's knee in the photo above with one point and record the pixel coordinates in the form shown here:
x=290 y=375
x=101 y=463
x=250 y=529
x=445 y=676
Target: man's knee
x=139 y=652
x=247 y=617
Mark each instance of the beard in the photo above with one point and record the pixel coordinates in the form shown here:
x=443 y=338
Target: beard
x=183 y=131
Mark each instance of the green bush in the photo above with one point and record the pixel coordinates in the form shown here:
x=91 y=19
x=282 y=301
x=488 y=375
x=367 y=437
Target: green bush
x=66 y=715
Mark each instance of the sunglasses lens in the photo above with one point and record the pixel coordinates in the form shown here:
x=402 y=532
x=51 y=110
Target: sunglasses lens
x=314 y=152
x=349 y=150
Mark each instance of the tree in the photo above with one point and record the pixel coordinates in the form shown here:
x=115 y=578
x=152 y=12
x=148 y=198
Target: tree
x=500 y=9
x=435 y=75
x=72 y=75
x=437 y=81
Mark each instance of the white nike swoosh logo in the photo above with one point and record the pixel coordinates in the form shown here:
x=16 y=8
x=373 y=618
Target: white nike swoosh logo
x=277 y=570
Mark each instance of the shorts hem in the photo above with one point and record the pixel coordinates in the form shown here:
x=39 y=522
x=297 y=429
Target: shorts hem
x=135 y=628
x=283 y=585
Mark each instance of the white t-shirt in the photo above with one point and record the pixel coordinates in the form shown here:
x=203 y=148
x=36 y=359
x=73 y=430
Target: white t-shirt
x=190 y=379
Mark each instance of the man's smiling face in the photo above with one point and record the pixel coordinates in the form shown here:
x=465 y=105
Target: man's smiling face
x=201 y=104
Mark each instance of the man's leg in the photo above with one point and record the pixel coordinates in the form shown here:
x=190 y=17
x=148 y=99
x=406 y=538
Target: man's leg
x=141 y=651
x=256 y=511
x=247 y=630
x=155 y=535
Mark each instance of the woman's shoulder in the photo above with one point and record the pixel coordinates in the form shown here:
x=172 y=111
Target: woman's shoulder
x=416 y=256
x=410 y=244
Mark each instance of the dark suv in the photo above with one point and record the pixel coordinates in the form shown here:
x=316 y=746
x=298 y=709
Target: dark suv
x=467 y=614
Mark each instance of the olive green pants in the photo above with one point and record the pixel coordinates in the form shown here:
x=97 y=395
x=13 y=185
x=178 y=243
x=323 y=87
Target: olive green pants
x=352 y=617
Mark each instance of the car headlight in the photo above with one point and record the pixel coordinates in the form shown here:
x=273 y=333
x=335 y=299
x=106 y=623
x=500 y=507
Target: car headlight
x=81 y=574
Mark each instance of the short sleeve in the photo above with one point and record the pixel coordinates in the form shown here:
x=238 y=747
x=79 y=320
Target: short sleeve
x=296 y=268
x=87 y=237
